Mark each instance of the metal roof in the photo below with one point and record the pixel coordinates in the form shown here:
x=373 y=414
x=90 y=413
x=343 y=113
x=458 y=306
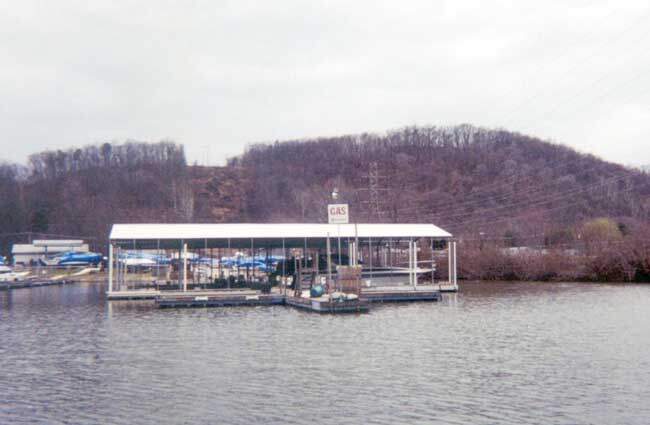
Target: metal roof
x=31 y=249
x=58 y=242
x=273 y=231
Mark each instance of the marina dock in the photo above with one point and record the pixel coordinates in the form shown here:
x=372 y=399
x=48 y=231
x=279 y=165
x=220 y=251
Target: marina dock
x=217 y=299
x=327 y=306
x=241 y=298
x=133 y=295
x=6 y=286
x=329 y=268
x=385 y=295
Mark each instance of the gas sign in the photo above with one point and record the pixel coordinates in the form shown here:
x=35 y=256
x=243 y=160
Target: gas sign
x=338 y=214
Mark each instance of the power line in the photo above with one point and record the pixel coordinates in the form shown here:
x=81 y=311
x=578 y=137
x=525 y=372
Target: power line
x=598 y=49
x=512 y=194
x=528 y=204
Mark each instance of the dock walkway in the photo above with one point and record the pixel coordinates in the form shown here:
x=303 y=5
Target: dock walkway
x=6 y=286
x=247 y=297
x=400 y=294
x=321 y=305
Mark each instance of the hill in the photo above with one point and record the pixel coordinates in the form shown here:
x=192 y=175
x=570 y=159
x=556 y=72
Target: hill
x=470 y=180
x=489 y=187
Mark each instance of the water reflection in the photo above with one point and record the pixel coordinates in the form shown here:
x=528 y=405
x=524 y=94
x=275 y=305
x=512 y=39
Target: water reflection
x=494 y=353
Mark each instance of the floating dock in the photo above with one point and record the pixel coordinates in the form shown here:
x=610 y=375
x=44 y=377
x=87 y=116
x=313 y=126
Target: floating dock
x=217 y=299
x=243 y=297
x=448 y=287
x=140 y=294
x=321 y=305
x=5 y=286
x=385 y=295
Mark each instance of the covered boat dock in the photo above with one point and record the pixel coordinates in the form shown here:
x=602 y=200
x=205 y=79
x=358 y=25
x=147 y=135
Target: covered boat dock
x=392 y=262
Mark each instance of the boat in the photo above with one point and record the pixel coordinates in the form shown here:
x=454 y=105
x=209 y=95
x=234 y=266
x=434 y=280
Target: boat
x=389 y=276
x=7 y=274
x=73 y=258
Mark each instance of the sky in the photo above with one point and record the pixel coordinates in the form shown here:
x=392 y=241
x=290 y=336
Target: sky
x=219 y=75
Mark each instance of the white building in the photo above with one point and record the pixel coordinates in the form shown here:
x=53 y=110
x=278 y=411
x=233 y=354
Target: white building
x=26 y=254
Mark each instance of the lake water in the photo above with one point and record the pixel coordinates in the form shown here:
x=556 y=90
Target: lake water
x=511 y=353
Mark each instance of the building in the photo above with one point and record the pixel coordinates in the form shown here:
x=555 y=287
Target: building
x=26 y=254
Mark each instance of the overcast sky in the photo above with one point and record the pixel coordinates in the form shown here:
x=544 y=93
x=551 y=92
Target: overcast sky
x=217 y=75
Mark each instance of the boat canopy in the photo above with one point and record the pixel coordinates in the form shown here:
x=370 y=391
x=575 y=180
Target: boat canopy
x=264 y=234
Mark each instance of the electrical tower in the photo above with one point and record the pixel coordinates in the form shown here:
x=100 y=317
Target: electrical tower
x=374 y=203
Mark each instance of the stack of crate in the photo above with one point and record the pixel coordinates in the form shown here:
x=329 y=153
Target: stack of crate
x=349 y=279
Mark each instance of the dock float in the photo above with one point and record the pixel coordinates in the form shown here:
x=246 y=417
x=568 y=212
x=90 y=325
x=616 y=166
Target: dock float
x=248 y=297
x=143 y=294
x=448 y=288
x=6 y=286
x=217 y=299
x=328 y=306
x=386 y=295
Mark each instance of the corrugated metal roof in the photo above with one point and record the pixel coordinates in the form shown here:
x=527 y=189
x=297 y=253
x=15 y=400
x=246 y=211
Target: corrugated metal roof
x=57 y=242
x=29 y=249
x=273 y=231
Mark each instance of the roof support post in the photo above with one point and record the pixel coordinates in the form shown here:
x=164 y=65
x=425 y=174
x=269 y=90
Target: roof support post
x=390 y=259
x=455 y=267
x=356 y=245
x=284 y=268
x=339 y=242
x=184 y=267
x=450 y=277
x=120 y=267
x=410 y=261
x=415 y=265
x=349 y=253
x=370 y=256
x=433 y=263
x=329 y=262
x=125 y=270
x=304 y=255
x=110 y=267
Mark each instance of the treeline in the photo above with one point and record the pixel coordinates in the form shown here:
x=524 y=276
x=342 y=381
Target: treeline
x=602 y=250
x=467 y=179
x=81 y=192
x=494 y=188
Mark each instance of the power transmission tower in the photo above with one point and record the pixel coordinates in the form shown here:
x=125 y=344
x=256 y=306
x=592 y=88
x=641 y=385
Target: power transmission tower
x=374 y=203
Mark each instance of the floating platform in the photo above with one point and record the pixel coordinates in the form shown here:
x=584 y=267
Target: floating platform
x=385 y=295
x=448 y=288
x=328 y=306
x=217 y=299
x=5 y=286
x=247 y=297
x=140 y=294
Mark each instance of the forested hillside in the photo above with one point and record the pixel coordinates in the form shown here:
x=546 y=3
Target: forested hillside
x=81 y=192
x=463 y=178
x=489 y=187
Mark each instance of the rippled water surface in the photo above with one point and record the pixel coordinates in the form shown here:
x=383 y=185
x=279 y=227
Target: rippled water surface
x=494 y=353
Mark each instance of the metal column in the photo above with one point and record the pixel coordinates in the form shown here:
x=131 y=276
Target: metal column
x=284 y=268
x=110 y=268
x=329 y=263
x=415 y=264
x=455 y=266
x=450 y=277
x=411 y=262
x=184 y=267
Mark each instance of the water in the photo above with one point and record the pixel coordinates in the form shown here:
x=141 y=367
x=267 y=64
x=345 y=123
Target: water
x=494 y=353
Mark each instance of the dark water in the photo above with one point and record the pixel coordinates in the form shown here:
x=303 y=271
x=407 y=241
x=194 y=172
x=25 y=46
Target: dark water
x=494 y=353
